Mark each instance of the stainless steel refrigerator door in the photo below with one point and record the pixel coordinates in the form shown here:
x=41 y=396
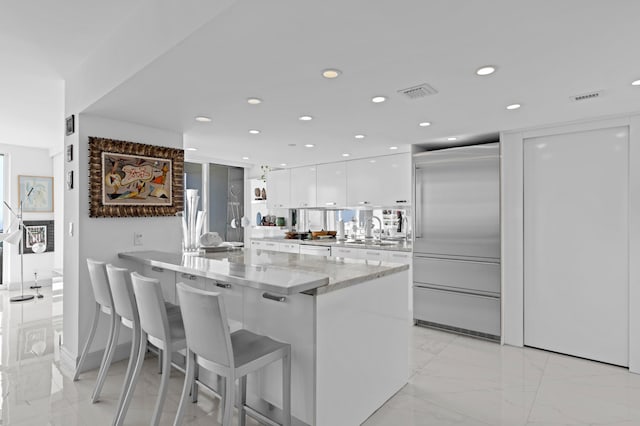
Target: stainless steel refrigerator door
x=458 y=202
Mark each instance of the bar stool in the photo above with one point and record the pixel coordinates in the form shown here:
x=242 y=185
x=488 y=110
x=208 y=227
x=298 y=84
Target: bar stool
x=164 y=331
x=126 y=311
x=212 y=346
x=103 y=303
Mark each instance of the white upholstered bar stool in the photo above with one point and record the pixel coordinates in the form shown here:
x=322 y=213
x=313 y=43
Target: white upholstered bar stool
x=212 y=346
x=163 y=331
x=103 y=303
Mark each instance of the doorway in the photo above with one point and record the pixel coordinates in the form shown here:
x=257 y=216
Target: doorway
x=576 y=230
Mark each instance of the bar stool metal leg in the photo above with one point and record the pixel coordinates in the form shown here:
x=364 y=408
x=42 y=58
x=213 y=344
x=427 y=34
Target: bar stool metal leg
x=134 y=379
x=286 y=388
x=112 y=342
x=229 y=393
x=135 y=347
x=87 y=344
x=188 y=383
x=164 y=384
x=242 y=414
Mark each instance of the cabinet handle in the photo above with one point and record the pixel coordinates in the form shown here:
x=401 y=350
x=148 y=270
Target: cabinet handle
x=404 y=256
x=189 y=276
x=270 y=244
x=333 y=203
x=372 y=253
x=157 y=269
x=401 y=201
x=273 y=297
x=363 y=202
x=223 y=285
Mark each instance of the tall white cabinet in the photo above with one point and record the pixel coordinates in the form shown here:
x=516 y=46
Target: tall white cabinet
x=279 y=189
x=576 y=227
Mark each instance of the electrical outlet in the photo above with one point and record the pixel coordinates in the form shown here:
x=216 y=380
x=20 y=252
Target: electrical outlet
x=137 y=239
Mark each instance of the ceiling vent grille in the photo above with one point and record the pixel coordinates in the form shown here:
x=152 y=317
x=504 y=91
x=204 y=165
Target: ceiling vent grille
x=587 y=96
x=419 y=91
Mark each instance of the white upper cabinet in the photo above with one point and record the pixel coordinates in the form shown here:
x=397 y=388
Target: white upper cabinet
x=279 y=189
x=332 y=184
x=303 y=186
x=379 y=181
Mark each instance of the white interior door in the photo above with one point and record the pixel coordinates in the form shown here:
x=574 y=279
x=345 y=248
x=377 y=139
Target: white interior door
x=576 y=244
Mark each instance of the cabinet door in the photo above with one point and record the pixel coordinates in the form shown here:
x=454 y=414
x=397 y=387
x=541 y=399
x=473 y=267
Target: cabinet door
x=279 y=187
x=167 y=280
x=379 y=181
x=331 y=184
x=289 y=247
x=303 y=187
x=287 y=319
x=394 y=186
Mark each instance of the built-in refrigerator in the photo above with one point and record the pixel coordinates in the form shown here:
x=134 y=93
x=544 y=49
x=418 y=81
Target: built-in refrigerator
x=457 y=239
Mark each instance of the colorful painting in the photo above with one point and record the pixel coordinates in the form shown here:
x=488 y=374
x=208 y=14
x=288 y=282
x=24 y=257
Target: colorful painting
x=136 y=180
x=132 y=179
x=36 y=193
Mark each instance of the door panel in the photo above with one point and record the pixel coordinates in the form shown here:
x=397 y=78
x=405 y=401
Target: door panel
x=575 y=244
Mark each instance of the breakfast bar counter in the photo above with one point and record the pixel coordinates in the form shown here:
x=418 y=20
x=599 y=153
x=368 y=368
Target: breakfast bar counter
x=346 y=319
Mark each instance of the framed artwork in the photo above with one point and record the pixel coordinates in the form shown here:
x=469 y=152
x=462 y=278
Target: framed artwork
x=130 y=179
x=70 y=125
x=69 y=153
x=70 y=179
x=37 y=231
x=36 y=193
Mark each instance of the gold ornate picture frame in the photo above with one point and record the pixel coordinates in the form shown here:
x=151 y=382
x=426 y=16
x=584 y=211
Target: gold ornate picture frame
x=128 y=179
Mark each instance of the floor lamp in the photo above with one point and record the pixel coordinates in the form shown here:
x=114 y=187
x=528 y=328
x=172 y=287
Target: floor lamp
x=15 y=238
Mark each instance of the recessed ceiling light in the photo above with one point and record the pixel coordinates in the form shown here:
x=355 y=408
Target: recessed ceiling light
x=305 y=118
x=254 y=101
x=635 y=83
x=513 y=106
x=345 y=154
x=452 y=139
x=372 y=161
x=283 y=164
x=203 y=119
x=486 y=70
x=254 y=131
x=393 y=147
x=192 y=149
x=378 y=99
x=359 y=136
x=424 y=124
x=331 y=73
x=309 y=145
x=245 y=158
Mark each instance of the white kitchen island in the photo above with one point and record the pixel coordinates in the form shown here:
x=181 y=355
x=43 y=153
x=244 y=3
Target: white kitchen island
x=346 y=320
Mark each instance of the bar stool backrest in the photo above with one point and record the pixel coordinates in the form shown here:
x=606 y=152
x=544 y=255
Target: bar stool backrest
x=124 y=300
x=151 y=307
x=205 y=324
x=99 y=283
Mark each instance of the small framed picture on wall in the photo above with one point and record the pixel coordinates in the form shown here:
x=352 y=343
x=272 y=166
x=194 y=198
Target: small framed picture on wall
x=70 y=125
x=69 y=153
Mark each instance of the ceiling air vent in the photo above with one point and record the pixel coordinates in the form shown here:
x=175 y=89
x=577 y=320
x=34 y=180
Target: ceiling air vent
x=586 y=96
x=419 y=91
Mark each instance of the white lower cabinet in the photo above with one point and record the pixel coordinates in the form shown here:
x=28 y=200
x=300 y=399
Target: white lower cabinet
x=167 y=280
x=272 y=315
x=289 y=247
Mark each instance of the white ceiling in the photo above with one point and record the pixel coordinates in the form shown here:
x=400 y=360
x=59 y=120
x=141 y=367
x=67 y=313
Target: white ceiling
x=41 y=41
x=545 y=51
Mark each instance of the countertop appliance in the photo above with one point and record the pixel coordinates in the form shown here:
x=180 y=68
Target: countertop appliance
x=457 y=239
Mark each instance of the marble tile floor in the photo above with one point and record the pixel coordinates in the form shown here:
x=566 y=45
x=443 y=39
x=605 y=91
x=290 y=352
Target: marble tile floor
x=455 y=380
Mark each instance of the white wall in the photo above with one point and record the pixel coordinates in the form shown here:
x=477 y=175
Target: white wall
x=512 y=228
x=20 y=160
x=102 y=238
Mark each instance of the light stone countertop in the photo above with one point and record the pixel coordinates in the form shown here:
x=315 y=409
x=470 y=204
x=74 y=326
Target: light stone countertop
x=281 y=273
x=400 y=246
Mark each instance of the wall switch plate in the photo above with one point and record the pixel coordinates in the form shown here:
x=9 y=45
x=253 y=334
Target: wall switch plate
x=137 y=239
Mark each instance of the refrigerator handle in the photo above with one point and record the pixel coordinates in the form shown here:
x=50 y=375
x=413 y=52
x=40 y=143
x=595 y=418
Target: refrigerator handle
x=418 y=197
